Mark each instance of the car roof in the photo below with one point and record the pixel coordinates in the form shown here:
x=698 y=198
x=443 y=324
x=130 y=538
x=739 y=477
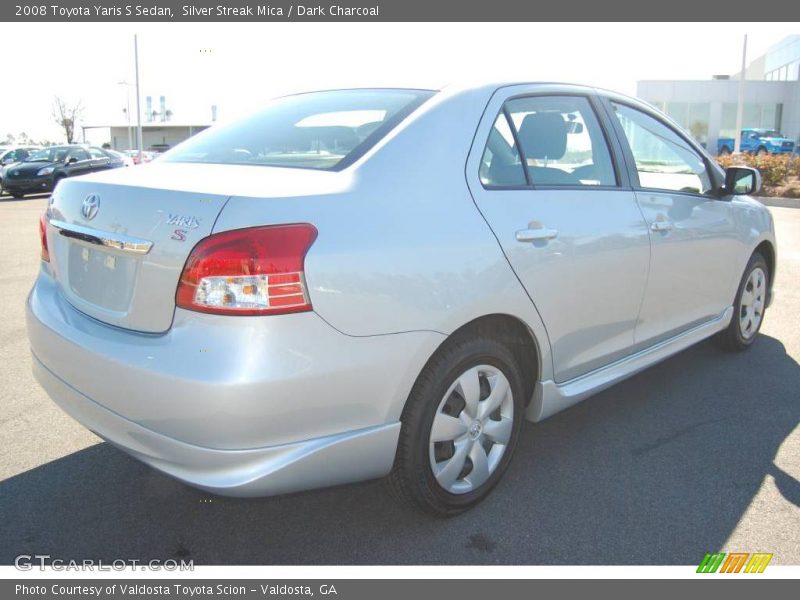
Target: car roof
x=490 y=88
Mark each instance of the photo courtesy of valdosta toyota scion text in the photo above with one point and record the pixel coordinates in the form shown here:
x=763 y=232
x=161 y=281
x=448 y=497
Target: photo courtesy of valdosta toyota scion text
x=302 y=298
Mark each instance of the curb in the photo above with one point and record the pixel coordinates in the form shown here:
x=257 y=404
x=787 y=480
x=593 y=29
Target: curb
x=779 y=202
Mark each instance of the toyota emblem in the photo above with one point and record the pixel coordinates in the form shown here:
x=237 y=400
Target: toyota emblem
x=90 y=206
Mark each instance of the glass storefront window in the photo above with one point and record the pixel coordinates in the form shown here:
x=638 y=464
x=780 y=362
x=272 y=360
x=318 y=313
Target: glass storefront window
x=794 y=71
x=760 y=116
x=691 y=116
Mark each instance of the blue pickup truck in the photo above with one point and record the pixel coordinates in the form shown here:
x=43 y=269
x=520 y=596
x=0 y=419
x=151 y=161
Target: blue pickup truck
x=758 y=141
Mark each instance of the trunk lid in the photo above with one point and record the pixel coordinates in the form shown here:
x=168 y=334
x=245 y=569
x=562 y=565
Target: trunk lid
x=122 y=265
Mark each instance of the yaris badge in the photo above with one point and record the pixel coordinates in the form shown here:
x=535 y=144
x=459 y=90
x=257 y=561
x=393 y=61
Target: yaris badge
x=90 y=206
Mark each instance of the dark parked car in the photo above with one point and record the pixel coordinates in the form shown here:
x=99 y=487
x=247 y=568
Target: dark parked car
x=10 y=155
x=42 y=170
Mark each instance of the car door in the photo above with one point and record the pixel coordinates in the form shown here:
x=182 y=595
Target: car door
x=78 y=162
x=544 y=175
x=100 y=160
x=693 y=231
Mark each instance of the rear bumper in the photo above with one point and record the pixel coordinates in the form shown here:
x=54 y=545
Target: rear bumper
x=343 y=458
x=234 y=405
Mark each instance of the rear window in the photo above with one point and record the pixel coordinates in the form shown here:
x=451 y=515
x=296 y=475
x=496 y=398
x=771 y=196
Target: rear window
x=319 y=130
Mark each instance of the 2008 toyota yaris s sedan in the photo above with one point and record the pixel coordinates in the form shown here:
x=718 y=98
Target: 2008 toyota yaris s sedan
x=360 y=283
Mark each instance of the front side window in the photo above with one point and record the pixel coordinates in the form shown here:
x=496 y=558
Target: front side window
x=78 y=154
x=97 y=153
x=320 y=130
x=664 y=160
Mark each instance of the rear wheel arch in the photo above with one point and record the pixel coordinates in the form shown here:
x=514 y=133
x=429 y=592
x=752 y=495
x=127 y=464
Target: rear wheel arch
x=513 y=333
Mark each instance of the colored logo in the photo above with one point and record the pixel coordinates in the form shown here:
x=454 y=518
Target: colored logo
x=734 y=562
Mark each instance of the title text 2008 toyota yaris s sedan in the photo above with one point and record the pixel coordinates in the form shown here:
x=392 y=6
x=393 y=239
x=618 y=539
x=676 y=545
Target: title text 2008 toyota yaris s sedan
x=359 y=283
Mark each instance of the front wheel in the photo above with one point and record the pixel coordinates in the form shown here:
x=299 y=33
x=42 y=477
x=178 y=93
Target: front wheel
x=762 y=151
x=459 y=427
x=724 y=151
x=748 y=307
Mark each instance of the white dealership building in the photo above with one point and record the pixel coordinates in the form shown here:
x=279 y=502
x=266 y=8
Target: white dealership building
x=123 y=137
x=707 y=109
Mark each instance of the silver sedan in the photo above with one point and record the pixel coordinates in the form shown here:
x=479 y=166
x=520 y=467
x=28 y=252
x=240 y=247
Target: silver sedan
x=352 y=284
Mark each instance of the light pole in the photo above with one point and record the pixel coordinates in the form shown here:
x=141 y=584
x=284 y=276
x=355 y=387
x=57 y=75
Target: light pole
x=138 y=96
x=128 y=110
x=737 y=141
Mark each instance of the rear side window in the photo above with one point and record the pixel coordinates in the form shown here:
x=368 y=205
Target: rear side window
x=560 y=144
x=664 y=160
x=320 y=130
x=501 y=165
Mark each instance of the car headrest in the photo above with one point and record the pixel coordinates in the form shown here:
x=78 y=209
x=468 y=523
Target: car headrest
x=543 y=135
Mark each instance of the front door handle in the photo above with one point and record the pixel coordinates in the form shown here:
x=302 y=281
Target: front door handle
x=661 y=225
x=536 y=234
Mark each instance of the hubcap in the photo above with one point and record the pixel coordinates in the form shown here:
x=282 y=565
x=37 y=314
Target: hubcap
x=751 y=306
x=471 y=429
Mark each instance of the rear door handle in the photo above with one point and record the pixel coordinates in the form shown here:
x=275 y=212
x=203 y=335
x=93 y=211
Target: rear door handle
x=535 y=235
x=661 y=225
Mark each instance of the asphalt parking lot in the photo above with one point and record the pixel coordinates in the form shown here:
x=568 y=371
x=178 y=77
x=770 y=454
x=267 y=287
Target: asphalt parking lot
x=698 y=454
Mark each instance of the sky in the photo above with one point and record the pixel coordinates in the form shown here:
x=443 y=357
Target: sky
x=239 y=66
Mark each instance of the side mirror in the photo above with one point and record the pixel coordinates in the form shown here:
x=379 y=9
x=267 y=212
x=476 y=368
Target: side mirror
x=741 y=181
x=72 y=159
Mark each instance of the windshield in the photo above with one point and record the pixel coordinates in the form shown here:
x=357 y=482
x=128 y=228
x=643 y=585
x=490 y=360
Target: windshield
x=54 y=154
x=320 y=130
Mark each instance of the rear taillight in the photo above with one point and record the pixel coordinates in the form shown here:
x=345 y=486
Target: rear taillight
x=255 y=271
x=43 y=237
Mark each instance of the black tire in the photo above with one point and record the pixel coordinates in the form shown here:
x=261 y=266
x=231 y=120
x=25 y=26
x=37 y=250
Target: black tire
x=56 y=180
x=733 y=339
x=762 y=151
x=412 y=479
x=17 y=195
x=724 y=151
